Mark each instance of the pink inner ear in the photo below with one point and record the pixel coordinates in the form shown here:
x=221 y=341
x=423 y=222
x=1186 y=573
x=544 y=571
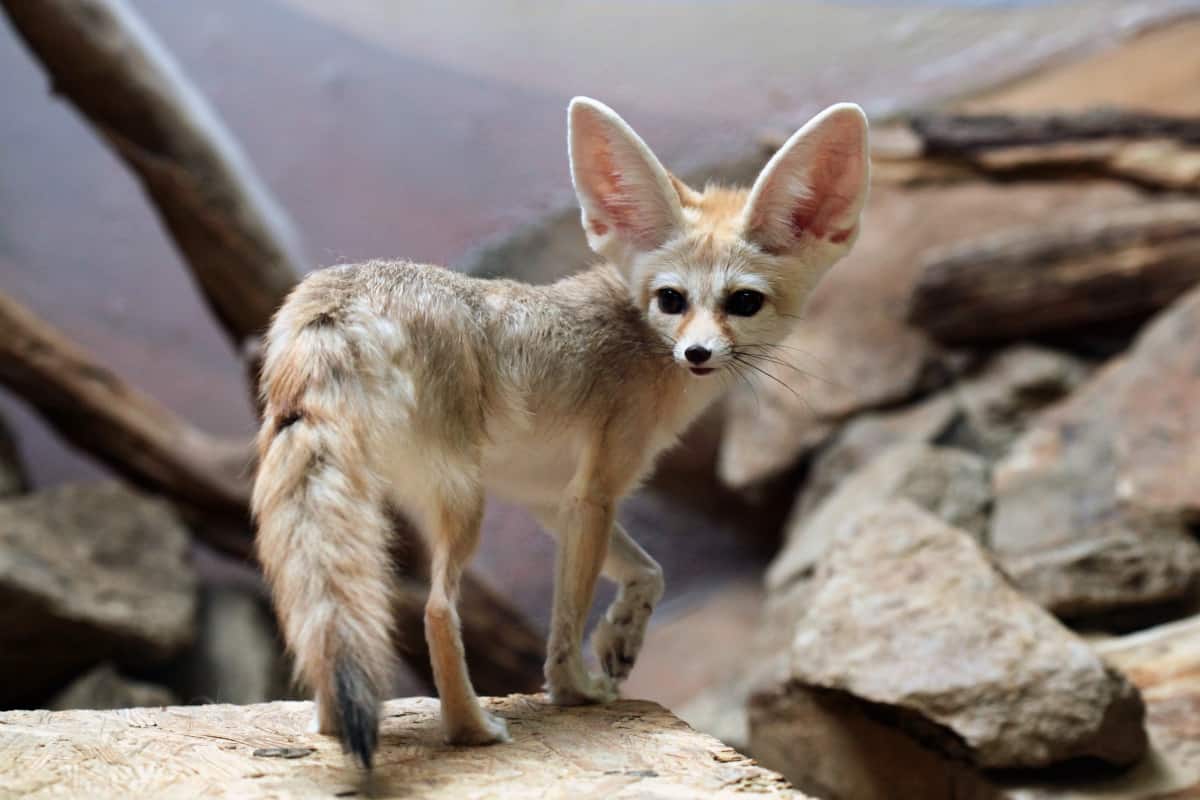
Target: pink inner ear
x=833 y=180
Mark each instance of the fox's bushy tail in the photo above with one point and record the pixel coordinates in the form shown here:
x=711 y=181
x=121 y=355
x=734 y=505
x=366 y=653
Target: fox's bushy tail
x=323 y=532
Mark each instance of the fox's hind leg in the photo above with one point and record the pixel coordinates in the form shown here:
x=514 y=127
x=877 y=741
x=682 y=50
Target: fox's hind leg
x=618 y=637
x=453 y=531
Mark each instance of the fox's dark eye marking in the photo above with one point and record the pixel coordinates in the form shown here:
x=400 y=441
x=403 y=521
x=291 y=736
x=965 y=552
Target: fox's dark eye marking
x=744 y=303
x=670 y=301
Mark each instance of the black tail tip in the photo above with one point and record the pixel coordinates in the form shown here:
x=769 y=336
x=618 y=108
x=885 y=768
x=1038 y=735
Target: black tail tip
x=358 y=709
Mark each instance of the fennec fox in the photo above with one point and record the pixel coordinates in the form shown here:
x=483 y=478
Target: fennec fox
x=393 y=386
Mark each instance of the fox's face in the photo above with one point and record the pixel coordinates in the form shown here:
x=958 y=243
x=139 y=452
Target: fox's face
x=721 y=274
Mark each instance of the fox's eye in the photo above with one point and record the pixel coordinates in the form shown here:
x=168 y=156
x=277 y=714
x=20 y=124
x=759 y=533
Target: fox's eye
x=744 y=303
x=670 y=301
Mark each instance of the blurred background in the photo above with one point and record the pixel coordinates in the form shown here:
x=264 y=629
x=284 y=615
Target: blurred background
x=1013 y=339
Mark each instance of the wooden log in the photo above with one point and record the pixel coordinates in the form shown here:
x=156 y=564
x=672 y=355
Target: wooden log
x=629 y=749
x=239 y=245
x=127 y=430
x=1038 y=279
x=1149 y=150
x=958 y=134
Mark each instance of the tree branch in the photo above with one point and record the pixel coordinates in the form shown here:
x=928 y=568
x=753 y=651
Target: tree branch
x=100 y=414
x=236 y=240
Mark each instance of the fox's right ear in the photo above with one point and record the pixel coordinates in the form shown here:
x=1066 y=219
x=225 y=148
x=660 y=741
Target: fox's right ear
x=628 y=202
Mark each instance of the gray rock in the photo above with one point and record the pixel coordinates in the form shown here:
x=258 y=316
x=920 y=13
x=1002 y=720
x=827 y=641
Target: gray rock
x=237 y=656
x=912 y=636
x=88 y=573
x=867 y=435
x=953 y=484
x=13 y=479
x=999 y=401
x=1163 y=662
x=1095 y=502
x=103 y=687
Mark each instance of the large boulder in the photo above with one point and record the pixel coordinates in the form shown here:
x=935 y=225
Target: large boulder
x=1095 y=502
x=89 y=572
x=1163 y=663
x=951 y=483
x=914 y=643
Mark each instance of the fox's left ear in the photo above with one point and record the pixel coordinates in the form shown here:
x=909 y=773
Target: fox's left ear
x=814 y=188
x=628 y=202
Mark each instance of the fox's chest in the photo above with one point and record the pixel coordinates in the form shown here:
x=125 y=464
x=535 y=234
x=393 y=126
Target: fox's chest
x=530 y=466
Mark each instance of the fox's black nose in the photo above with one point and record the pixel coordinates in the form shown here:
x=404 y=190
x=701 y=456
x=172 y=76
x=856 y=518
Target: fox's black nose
x=697 y=354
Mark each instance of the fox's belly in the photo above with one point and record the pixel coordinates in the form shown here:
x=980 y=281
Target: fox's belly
x=529 y=467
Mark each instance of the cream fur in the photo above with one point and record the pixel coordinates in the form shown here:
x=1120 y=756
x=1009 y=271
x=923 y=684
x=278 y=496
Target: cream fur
x=397 y=386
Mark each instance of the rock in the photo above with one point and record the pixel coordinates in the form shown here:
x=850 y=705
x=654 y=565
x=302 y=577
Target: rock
x=853 y=350
x=237 y=656
x=867 y=435
x=89 y=572
x=103 y=687
x=953 y=484
x=1163 y=663
x=999 y=401
x=915 y=645
x=624 y=750
x=13 y=479
x=1095 y=501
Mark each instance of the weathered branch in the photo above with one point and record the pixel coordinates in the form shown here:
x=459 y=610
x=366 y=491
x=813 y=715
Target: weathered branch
x=234 y=237
x=958 y=134
x=1149 y=150
x=97 y=412
x=1038 y=279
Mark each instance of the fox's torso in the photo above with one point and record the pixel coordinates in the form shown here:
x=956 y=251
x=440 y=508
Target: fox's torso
x=510 y=376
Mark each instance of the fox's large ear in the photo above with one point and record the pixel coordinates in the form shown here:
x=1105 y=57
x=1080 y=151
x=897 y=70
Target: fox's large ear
x=815 y=187
x=629 y=205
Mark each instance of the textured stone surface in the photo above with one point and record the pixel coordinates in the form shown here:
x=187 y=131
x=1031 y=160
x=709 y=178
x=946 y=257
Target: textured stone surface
x=999 y=401
x=909 y=619
x=867 y=435
x=13 y=479
x=628 y=749
x=953 y=484
x=237 y=654
x=102 y=687
x=1164 y=663
x=88 y=572
x=853 y=349
x=1095 y=501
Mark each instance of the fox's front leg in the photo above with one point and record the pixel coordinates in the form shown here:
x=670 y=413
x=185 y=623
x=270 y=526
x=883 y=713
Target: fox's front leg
x=618 y=637
x=586 y=519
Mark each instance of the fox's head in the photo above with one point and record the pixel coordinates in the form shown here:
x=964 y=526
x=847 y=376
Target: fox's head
x=721 y=273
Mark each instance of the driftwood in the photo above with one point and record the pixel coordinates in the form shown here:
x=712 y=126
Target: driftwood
x=624 y=750
x=1033 y=280
x=239 y=245
x=127 y=430
x=1149 y=150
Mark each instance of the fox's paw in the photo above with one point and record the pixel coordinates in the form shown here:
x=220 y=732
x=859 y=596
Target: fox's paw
x=584 y=691
x=485 y=729
x=616 y=647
